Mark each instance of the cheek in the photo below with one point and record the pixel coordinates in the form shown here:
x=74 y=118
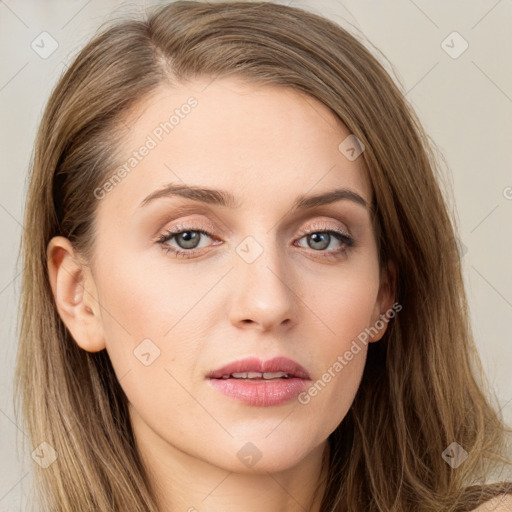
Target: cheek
x=146 y=317
x=344 y=304
x=150 y=338
x=338 y=355
x=142 y=300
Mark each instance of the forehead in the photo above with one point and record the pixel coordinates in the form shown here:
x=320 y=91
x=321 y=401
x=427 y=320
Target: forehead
x=260 y=142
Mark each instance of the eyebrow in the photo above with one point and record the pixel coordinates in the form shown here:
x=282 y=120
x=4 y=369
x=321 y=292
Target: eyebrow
x=224 y=198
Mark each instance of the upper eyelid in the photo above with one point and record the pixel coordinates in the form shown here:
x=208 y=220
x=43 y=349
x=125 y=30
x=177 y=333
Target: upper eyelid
x=348 y=217
x=323 y=215
x=198 y=226
x=320 y=226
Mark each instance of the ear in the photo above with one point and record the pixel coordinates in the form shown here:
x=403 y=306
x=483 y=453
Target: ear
x=384 y=302
x=75 y=294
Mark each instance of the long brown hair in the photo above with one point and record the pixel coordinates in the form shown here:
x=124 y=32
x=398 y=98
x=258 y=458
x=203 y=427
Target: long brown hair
x=423 y=387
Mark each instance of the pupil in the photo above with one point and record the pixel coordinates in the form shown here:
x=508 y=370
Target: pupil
x=316 y=238
x=190 y=239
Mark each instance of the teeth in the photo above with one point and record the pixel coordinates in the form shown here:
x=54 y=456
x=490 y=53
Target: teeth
x=257 y=375
x=275 y=375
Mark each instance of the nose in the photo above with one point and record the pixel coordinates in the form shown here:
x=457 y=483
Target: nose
x=264 y=294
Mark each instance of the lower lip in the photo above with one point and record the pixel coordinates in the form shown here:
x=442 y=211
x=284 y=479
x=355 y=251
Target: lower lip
x=261 y=393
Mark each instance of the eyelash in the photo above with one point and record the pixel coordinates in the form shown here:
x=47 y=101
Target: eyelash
x=182 y=253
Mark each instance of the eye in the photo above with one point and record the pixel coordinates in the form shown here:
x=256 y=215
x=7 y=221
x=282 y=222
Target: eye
x=321 y=239
x=189 y=238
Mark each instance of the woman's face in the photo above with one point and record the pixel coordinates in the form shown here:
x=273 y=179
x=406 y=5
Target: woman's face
x=255 y=286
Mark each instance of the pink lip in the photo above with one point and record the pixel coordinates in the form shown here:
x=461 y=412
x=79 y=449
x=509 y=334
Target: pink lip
x=261 y=392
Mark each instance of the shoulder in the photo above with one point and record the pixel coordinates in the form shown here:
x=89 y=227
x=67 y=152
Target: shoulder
x=502 y=503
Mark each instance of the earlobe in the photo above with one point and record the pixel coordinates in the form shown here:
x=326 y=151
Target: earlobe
x=385 y=301
x=75 y=295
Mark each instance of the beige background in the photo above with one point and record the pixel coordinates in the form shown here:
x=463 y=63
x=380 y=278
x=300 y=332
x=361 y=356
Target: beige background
x=465 y=104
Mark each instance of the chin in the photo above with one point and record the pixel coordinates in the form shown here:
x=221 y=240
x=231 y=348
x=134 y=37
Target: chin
x=264 y=454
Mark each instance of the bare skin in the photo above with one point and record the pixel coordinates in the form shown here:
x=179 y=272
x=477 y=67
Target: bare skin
x=502 y=503
x=300 y=299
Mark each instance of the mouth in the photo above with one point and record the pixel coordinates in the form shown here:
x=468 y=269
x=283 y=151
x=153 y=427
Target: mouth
x=258 y=375
x=254 y=368
x=260 y=383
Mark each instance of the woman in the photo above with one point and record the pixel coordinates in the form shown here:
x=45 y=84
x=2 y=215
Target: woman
x=241 y=285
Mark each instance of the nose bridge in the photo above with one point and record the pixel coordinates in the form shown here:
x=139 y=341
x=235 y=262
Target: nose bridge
x=263 y=291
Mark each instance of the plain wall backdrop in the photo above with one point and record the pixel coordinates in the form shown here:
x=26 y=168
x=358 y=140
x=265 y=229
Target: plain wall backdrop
x=454 y=63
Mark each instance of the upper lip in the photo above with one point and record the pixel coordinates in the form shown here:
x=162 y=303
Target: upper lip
x=253 y=364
